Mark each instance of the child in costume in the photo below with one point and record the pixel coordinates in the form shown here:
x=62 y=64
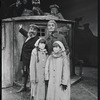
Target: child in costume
x=37 y=70
x=57 y=72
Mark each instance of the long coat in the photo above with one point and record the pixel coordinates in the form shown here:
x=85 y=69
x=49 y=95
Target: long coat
x=37 y=74
x=55 y=37
x=27 y=48
x=57 y=72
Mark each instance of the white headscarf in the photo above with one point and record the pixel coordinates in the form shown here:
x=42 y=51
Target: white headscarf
x=60 y=44
x=37 y=42
x=35 y=50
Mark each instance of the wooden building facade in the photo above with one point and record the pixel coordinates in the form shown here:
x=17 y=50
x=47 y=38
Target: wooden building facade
x=12 y=42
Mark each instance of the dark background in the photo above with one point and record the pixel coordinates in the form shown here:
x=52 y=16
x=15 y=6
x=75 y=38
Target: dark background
x=70 y=9
x=86 y=39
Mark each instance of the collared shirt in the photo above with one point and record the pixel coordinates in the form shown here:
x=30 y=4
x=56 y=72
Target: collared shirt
x=27 y=39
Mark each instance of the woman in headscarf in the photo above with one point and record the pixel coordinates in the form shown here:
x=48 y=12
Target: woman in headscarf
x=53 y=35
x=57 y=72
x=37 y=70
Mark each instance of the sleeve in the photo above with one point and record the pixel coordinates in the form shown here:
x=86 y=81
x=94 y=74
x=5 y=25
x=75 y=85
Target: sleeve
x=65 y=42
x=23 y=32
x=33 y=68
x=65 y=71
x=47 y=69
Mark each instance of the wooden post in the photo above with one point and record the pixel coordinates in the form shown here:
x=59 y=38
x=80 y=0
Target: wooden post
x=7 y=55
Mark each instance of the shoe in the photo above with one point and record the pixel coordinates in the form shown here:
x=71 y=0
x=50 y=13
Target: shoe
x=31 y=98
x=21 y=89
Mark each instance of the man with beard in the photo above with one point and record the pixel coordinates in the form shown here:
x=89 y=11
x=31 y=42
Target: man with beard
x=28 y=46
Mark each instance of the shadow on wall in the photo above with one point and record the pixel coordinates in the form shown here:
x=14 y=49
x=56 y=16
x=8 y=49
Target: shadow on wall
x=85 y=43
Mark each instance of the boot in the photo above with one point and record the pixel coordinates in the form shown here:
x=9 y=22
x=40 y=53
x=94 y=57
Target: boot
x=23 y=88
x=31 y=98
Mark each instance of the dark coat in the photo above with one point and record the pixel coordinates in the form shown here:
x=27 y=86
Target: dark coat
x=27 y=48
x=55 y=37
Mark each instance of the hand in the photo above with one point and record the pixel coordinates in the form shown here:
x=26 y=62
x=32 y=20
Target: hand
x=20 y=26
x=18 y=3
x=64 y=87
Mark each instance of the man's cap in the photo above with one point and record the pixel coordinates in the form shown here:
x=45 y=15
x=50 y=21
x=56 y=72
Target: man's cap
x=34 y=26
x=54 y=6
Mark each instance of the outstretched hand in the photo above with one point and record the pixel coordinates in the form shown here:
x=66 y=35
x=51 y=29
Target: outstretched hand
x=20 y=26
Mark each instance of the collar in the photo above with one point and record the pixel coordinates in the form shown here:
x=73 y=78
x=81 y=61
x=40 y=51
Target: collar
x=56 y=55
x=61 y=53
x=54 y=35
x=43 y=50
x=27 y=39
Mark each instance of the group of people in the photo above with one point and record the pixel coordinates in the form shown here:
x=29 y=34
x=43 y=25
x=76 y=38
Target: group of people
x=31 y=8
x=25 y=8
x=46 y=60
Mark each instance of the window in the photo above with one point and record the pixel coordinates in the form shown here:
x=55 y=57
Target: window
x=41 y=31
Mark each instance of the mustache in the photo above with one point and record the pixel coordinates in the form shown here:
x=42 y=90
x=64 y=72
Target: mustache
x=32 y=32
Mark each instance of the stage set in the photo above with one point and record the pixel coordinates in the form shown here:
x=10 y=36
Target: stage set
x=12 y=42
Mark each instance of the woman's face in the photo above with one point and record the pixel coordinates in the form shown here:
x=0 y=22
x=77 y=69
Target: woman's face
x=56 y=49
x=51 y=27
x=41 y=46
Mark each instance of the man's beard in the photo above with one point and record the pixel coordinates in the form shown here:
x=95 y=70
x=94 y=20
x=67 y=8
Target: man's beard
x=32 y=34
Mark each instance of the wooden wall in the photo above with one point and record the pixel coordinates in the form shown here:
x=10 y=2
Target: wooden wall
x=7 y=54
